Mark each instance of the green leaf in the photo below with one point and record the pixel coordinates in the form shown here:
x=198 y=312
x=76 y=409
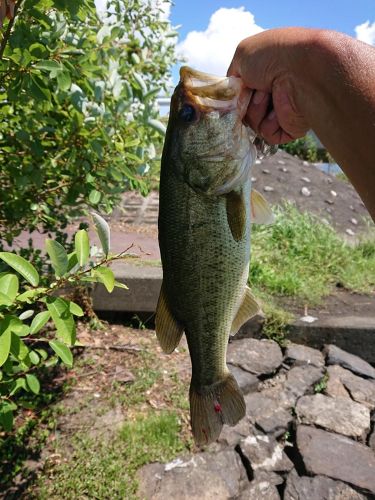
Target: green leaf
x=63 y=352
x=34 y=358
x=26 y=314
x=121 y=285
x=33 y=383
x=58 y=256
x=157 y=125
x=48 y=65
x=18 y=348
x=20 y=383
x=42 y=353
x=141 y=84
x=94 y=197
x=103 y=231
x=38 y=89
x=72 y=261
x=39 y=321
x=21 y=265
x=6 y=415
x=9 y=285
x=5 y=340
x=5 y=300
x=63 y=80
x=105 y=275
x=30 y=295
x=75 y=309
x=82 y=246
x=63 y=319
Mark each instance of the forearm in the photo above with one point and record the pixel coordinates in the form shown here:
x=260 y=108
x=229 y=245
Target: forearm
x=335 y=91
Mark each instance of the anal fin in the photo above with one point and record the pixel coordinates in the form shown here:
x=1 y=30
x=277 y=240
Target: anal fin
x=249 y=307
x=168 y=331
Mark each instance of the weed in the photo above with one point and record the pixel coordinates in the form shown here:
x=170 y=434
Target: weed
x=321 y=386
x=107 y=468
x=300 y=257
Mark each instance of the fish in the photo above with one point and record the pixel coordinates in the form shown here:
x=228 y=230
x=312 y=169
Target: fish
x=205 y=209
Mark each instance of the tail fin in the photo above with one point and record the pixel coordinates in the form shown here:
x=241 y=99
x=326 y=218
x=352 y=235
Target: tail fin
x=221 y=403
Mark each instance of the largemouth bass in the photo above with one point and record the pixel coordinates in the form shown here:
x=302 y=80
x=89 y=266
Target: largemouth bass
x=204 y=236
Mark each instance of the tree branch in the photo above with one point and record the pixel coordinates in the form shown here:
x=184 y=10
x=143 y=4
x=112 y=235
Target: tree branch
x=9 y=29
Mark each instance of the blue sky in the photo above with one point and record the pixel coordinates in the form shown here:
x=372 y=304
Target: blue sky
x=341 y=15
x=210 y=30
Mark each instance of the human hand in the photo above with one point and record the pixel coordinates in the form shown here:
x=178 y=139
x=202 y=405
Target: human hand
x=271 y=63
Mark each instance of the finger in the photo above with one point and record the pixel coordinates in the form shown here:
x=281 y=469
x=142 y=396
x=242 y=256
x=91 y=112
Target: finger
x=271 y=131
x=257 y=109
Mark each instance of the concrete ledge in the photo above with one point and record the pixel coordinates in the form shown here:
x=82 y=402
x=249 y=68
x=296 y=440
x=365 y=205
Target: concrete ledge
x=354 y=334
x=144 y=284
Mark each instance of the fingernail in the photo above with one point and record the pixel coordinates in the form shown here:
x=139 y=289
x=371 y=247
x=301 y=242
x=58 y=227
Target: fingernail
x=259 y=96
x=271 y=115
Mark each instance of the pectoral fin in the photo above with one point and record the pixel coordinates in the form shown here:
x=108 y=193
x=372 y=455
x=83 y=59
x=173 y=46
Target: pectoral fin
x=249 y=307
x=236 y=214
x=261 y=212
x=168 y=331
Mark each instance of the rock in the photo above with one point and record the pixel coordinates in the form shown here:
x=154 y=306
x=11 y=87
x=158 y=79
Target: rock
x=255 y=356
x=247 y=381
x=371 y=441
x=298 y=355
x=341 y=415
x=305 y=191
x=337 y=457
x=336 y=356
x=318 y=488
x=267 y=412
x=231 y=436
x=265 y=171
x=333 y=193
x=258 y=162
x=281 y=162
x=253 y=179
x=285 y=170
x=344 y=383
x=202 y=476
x=305 y=179
x=277 y=423
x=301 y=379
x=260 y=490
x=265 y=453
x=268 y=189
x=330 y=202
x=354 y=221
x=350 y=232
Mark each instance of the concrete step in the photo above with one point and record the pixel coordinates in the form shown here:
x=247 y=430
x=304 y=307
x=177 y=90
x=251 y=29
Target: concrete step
x=355 y=334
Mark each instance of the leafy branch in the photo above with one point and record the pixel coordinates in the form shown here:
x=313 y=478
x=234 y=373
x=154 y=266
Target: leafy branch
x=20 y=351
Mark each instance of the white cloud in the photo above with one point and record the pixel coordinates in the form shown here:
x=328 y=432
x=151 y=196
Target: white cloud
x=366 y=32
x=212 y=50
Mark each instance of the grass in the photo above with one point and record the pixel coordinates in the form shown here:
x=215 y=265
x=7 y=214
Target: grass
x=300 y=257
x=106 y=468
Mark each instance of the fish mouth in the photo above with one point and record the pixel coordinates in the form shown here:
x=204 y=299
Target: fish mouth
x=220 y=93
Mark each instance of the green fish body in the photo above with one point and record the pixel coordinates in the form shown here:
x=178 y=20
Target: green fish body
x=204 y=238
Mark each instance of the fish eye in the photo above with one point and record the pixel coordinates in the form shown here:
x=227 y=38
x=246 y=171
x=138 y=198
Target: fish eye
x=187 y=113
